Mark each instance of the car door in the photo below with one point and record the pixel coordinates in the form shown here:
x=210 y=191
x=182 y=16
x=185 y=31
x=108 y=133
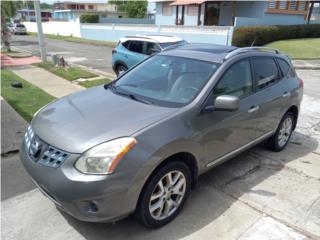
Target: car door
x=135 y=53
x=272 y=95
x=222 y=132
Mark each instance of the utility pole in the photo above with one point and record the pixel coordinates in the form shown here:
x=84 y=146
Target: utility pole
x=40 y=32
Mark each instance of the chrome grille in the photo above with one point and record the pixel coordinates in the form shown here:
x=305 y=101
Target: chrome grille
x=43 y=153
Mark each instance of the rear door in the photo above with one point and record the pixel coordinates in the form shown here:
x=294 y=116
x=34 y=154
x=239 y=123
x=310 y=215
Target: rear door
x=272 y=96
x=135 y=53
x=222 y=132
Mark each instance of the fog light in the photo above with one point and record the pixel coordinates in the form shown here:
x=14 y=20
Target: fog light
x=92 y=207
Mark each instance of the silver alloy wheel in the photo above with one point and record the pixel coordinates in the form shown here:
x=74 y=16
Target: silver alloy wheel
x=167 y=195
x=285 y=131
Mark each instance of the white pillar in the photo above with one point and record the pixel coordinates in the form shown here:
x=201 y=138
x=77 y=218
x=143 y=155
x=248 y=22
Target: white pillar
x=40 y=32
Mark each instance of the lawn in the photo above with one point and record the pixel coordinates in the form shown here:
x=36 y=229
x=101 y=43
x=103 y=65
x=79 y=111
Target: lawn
x=78 y=40
x=70 y=74
x=88 y=84
x=305 y=48
x=26 y=100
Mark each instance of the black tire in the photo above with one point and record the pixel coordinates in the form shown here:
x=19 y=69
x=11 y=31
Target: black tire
x=120 y=68
x=143 y=212
x=273 y=142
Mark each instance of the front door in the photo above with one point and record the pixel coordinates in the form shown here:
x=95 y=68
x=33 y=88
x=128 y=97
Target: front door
x=221 y=132
x=212 y=11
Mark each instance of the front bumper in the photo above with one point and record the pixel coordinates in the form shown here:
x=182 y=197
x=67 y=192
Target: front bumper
x=92 y=198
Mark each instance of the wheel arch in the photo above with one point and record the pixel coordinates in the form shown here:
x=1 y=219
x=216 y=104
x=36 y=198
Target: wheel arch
x=295 y=111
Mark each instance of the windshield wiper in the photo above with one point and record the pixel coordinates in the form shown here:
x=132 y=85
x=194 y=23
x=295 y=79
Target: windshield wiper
x=130 y=95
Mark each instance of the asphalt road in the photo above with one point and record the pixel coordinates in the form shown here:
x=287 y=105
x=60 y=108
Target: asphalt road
x=96 y=57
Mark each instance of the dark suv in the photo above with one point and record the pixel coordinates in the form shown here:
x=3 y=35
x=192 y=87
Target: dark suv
x=139 y=143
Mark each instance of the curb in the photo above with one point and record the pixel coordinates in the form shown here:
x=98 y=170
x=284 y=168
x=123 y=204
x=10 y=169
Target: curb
x=306 y=68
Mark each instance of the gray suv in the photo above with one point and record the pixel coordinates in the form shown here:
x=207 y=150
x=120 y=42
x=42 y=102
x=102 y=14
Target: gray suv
x=138 y=145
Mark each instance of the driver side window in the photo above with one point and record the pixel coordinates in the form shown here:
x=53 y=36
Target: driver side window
x=236 y=81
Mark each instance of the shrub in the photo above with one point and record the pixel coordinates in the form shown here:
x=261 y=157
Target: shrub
x=261 y=35
x=89 y=18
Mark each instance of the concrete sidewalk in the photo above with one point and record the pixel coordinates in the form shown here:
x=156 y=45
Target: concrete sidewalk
x=12 y=129
x=50 y=83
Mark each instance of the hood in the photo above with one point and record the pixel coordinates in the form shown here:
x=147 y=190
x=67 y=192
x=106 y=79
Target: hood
x=80 y=121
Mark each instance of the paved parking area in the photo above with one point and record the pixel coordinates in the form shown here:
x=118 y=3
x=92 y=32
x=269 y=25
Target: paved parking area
x=257 y=195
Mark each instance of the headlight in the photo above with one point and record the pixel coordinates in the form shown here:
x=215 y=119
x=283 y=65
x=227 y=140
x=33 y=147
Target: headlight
x=104 y=158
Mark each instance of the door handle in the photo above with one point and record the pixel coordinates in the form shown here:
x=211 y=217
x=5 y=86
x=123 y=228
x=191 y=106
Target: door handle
x=286 y=94
x=253 y=109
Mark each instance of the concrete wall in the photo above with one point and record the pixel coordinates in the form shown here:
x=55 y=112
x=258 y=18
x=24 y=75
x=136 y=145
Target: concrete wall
x=270 y=19
x=126 y=20
x=217 y=35
x=112 y=32
x=61 y=28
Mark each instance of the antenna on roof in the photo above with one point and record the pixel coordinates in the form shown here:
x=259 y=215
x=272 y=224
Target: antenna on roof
x=253 y=42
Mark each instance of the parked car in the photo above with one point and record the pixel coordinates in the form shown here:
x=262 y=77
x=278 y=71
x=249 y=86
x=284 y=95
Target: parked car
x=131 y=50
x=139 y=143
x=19 y=29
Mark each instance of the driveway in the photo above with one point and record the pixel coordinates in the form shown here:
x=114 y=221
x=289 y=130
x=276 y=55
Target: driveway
x=257 y=195
x=96 y=57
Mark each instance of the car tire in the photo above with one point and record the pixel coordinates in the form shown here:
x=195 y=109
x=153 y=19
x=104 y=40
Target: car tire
x=280 y=139
x=165 y=205
x=120 y=69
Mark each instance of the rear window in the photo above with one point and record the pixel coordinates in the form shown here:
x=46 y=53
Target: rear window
x=286 y=70
x=125 y=44
x=266 y=71
x=20 y=25
x=136 y=46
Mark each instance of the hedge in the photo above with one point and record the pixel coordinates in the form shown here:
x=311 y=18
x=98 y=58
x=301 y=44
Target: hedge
x=261 y=35
x=89 y=18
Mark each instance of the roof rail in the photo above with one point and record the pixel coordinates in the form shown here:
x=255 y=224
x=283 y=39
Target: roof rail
x=247 y=49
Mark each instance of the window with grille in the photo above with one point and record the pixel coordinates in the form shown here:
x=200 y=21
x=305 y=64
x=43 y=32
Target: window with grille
x=166 y=9
x=192 y=10
x=288 y=7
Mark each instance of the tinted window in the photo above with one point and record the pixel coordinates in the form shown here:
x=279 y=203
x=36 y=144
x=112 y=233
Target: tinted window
x=266 y=71
x=166 y=80
x=151 y=48
x=136 y=46
x=286 y=70
x=126 y=44
x=20 y=25
x=236 y=81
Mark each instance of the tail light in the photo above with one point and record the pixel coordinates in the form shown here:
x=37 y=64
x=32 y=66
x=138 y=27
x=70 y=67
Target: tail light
x=114 y=51
x=301 y=82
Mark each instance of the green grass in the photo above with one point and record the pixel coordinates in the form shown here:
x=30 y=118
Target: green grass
x=70 y=74
x=77 y=40
x=93 y=83
x=27 y=100
x=305 y=48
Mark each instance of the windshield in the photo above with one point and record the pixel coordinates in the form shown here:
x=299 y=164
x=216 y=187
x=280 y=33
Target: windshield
x=165 y=80
x=168 y=44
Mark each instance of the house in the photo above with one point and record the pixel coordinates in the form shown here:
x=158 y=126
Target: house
x=230 y=13
x=30 y=15
x=71 y=11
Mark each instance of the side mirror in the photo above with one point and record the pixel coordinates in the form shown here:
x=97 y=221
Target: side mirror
x=226 y=103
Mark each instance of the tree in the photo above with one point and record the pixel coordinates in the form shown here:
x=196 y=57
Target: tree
x=136 y=9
